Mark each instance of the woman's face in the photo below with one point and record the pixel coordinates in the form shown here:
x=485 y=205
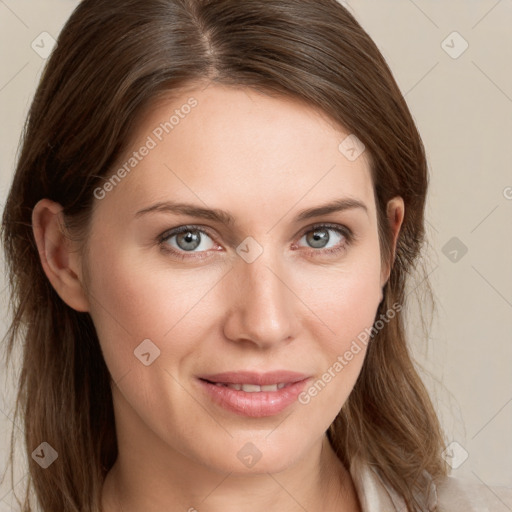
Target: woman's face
x=276 y=295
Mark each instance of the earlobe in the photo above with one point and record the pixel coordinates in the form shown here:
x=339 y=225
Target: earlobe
x=60 y=263
x=395 y=215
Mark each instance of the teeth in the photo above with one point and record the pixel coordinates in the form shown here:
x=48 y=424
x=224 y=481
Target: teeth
x=253 y=388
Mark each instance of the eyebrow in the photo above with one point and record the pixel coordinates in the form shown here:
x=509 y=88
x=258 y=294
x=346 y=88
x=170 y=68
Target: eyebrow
x=223 y=217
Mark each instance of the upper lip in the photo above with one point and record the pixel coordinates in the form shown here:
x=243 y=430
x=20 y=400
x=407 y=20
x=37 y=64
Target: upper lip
x=259 y=379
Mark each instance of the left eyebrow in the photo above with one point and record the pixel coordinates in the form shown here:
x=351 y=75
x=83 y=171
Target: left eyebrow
x=332 y=207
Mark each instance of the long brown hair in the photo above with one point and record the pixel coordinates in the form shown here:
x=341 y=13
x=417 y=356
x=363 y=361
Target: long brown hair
x=112 y=59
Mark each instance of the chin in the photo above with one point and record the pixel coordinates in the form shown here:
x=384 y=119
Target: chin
x=258 y=452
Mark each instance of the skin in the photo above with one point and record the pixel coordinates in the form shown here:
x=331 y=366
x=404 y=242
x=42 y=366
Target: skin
x=263 y=159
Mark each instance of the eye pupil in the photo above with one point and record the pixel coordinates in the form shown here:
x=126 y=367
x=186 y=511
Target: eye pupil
x=191 y=240
x=319 y=238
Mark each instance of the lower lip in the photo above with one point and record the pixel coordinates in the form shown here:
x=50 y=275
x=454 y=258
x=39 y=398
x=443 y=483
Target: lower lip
x=254 y=405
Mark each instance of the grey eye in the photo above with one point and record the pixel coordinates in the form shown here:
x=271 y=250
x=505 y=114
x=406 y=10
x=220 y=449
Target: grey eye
x=189 y=240
x=319 y=238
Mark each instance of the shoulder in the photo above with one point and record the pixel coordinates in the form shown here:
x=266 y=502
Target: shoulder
x=460 y=494
x=451 y=494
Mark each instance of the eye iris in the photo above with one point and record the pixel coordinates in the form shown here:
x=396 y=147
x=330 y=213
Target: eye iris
x=191 y=240
x=319 y=238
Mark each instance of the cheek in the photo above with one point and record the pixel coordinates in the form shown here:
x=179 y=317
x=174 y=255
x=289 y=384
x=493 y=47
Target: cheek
x=346 y=299
x=133 y=299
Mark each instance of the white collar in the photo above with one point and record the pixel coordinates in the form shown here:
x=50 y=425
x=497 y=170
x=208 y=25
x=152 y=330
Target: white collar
x=377 y=496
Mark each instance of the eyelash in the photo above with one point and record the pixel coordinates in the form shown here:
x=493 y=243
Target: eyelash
x=342 y=230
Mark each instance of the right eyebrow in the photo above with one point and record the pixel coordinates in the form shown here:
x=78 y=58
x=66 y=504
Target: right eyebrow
x=217 y=215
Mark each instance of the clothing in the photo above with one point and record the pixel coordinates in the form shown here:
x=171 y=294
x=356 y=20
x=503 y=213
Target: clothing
x=452 y=495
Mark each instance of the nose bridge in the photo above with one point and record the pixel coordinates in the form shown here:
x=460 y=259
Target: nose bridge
x=262 y=308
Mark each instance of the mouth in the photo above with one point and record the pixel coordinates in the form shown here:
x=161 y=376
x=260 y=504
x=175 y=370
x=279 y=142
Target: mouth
x=251 y=388
x=253 y=394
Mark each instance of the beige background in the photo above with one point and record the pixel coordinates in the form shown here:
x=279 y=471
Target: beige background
x=463 y=108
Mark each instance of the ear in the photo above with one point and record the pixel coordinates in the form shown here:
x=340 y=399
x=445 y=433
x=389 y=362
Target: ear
x=395 y=215
x=61 y=264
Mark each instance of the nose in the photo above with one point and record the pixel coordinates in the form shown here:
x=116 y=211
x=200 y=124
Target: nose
x=262 y=308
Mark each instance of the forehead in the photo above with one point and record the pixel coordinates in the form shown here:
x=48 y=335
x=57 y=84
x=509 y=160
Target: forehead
x=236 y=147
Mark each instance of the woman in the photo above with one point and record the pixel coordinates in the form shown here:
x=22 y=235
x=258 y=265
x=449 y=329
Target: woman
x=209 y=231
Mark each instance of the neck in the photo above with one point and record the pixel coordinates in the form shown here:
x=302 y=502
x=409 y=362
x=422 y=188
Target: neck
x=137 y=488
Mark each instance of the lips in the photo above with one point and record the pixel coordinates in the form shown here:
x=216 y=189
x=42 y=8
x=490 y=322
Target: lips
x=253 y=394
